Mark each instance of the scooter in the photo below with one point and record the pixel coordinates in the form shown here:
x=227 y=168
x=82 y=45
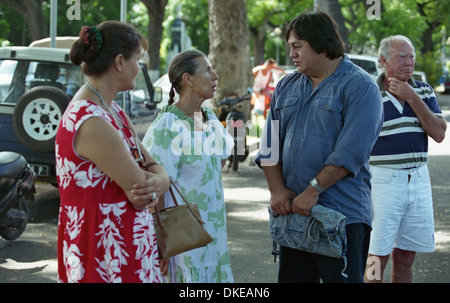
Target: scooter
x=17 y=190
x=234 y=120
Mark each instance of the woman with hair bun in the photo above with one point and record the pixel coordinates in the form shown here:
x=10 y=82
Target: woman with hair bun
x=105 y=231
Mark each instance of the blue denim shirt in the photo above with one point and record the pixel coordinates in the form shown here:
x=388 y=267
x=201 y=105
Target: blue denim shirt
x=336 y=124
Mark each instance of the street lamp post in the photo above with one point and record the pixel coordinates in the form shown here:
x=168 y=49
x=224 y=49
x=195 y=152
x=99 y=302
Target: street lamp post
x=123 y=10
x=443 y=48
x=53 y=22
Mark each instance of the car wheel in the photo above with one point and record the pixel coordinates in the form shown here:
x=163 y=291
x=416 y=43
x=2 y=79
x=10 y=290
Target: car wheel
x=36 y=117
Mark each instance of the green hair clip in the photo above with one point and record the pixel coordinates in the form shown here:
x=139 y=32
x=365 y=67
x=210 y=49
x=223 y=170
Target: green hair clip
x=98 y=38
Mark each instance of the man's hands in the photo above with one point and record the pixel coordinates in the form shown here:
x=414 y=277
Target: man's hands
x=303 y=203
x=401 y=89
x=280 y=201
x=433 y=126
x=285 y=201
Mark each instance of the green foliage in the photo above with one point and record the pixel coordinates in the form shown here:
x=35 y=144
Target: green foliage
x=410 y=18
x=431 y=65
x=195 y=16
x=260 y=10
x=11 y=23
x=14 y=27
x=396 y=18
x=103 y=11
x=275 y=14
x=407 y=17
x=5 y=27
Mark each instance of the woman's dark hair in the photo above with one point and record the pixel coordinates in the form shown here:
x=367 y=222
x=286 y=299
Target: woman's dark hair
x=320 y=30
x=99 y=45
x=183 y=62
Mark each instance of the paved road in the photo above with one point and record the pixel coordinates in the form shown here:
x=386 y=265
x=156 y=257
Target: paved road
x=32 y=257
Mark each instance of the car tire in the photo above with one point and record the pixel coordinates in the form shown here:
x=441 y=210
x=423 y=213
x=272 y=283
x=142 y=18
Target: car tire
x=36 y=117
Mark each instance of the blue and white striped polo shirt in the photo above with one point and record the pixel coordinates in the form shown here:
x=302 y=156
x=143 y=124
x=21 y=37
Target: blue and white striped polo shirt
x=402 y=142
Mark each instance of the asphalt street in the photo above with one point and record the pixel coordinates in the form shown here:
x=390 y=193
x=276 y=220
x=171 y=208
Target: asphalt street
x=32 y=257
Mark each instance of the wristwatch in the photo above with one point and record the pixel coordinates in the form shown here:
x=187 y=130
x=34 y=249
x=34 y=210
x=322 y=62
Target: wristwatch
x=315 y=184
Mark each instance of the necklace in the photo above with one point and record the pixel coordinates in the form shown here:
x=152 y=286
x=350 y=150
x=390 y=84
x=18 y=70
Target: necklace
x=113 y=113
x=138 y=156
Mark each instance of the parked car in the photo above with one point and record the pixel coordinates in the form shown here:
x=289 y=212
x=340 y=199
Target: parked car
x=447 y=85
x=36 y=85
x=420 y=76
x=164 y=83
x=368 y=63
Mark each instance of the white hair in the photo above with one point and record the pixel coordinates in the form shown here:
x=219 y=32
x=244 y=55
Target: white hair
x=385 y=46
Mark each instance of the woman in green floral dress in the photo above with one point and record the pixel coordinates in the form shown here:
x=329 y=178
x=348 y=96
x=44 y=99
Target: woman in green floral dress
x=192 y=145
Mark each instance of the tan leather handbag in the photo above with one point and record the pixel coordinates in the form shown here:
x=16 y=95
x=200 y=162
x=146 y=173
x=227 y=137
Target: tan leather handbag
x=179 y=228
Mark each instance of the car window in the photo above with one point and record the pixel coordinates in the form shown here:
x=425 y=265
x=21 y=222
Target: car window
x=368 y=66
x=7 y=68
x=20 y=76
x=71 y=76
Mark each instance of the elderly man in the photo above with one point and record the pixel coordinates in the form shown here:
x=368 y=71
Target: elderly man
x=403 y=221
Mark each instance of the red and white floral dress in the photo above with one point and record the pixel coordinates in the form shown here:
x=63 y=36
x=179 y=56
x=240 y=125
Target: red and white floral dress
x=102 y=237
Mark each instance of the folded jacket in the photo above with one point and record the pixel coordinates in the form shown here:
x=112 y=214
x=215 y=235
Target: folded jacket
x=322 y=233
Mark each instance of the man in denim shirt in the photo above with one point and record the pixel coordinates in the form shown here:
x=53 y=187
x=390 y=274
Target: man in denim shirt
x=322 y=124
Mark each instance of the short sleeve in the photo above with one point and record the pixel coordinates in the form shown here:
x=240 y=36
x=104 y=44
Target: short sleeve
x=163 y=140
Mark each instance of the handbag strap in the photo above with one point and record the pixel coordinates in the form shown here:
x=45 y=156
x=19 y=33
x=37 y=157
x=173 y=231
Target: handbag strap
x=173 y=195
x=196 y=216
x=179 y=192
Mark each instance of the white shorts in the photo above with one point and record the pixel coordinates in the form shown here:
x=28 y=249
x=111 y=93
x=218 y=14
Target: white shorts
x=402 y=210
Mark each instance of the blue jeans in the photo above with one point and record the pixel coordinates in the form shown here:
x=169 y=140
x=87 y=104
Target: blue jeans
x=298 y=266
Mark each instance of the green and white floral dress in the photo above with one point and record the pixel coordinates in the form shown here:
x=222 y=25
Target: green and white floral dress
x=192 y=160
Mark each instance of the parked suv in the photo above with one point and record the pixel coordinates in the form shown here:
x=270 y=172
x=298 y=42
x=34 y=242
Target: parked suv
x=36 y=85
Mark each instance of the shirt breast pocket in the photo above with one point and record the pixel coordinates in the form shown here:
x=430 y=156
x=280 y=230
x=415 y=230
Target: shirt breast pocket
x=287 y=107
x=326 y=116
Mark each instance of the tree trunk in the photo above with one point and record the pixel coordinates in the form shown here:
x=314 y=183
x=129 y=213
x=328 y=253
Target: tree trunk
x=333 y=8
x=156 y=9
x=259 y=39
x=427 y=40
x=33 y=14
x=229 y=50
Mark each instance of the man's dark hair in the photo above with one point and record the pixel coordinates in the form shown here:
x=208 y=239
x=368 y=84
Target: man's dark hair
x=320 y=30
